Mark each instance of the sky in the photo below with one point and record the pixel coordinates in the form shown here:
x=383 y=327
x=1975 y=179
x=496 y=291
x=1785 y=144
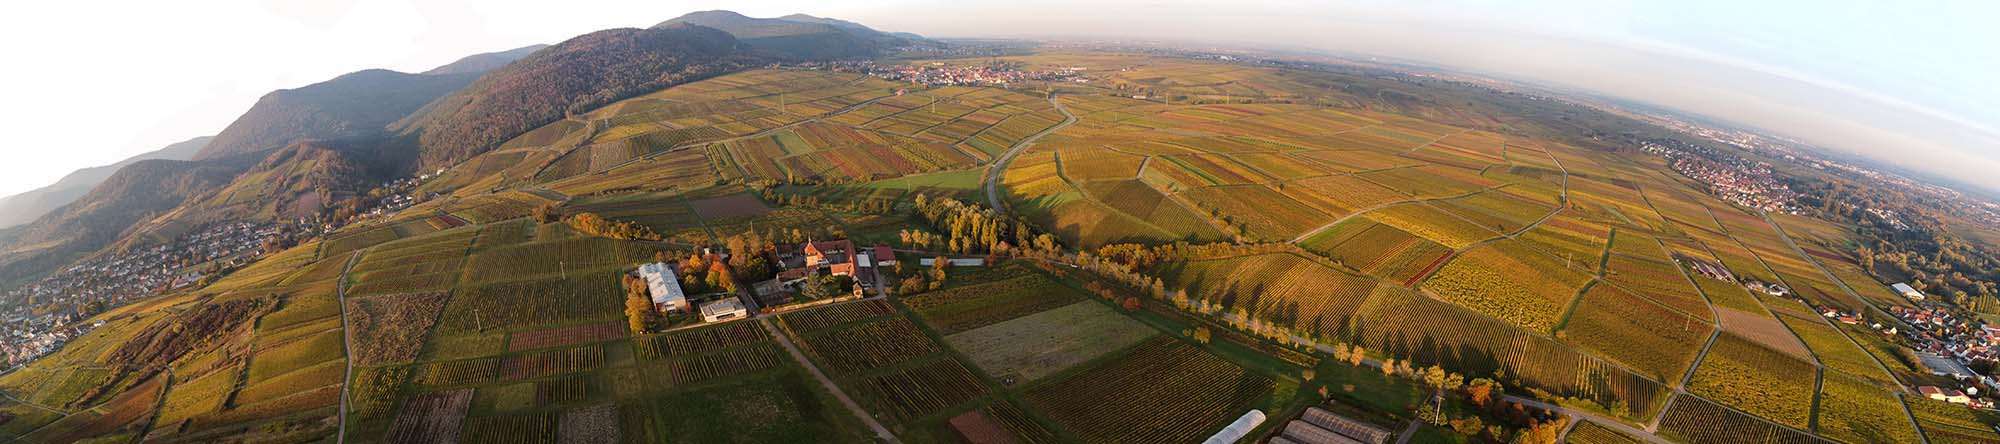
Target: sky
x=1902 y=82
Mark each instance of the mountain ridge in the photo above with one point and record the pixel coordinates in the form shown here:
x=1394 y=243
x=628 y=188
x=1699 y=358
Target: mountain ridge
x=356 y=104
x=26 y=206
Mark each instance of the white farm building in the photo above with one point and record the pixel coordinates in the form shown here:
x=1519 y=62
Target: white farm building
x=664 y=287
x=1907 y=291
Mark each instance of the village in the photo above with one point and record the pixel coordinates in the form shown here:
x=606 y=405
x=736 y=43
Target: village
x=1743 y=183
x=38 y=321
x=40 y=317
x=1951 y=346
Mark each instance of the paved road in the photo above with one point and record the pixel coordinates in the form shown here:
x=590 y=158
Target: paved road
x=880 y=431
x=992 y=176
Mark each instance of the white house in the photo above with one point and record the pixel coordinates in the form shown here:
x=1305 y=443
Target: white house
x=723 y=309
x=1907 y=291
x=664 y=286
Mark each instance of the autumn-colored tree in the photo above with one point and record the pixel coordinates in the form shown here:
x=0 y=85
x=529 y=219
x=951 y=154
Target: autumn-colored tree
x=637 y=305
x=1131 y=304
x=1433 y=376
x=595 y=225
x=1482 y=391
x=1541 y=432
x=1354 y=357
x=1469 y=426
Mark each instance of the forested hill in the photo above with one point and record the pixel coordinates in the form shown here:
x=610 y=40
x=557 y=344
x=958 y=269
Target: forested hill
x=796 y=36
x=576 y=75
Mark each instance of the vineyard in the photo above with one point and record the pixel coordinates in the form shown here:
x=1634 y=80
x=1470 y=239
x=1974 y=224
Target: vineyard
x=549 y=259
x=583 y=297
x=520 y=428
x=920 y=391
x=561 y=336
x=1855 y=410
x=432 y=418
x=815 y=320
x=1278 y=287
x=1659 y=342
x=1509 y=282
x=1567 y=235
x=732 y=361
x=1377 y=249
x=297 y=354
x=870 y=345
x=962 y=308
x=1697 y=421
x=325 y=374
x=1940 y=417
x=459 y=372
x=201 y=395
x=1261 y=212
x=1399 y=322
x=1758 y=380
x=546 y=363
x=700 y=340
x=1340 y=195
x=1659 y=280
x=1163 y=391
x=1834 y=349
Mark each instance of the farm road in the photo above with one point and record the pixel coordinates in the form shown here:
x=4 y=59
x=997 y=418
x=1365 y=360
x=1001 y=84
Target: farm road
x=992 y=175
x=880 y=431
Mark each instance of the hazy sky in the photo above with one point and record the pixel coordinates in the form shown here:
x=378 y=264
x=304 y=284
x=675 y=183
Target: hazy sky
x=97 y=81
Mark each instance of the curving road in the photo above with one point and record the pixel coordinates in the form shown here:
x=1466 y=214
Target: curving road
x=992 y=175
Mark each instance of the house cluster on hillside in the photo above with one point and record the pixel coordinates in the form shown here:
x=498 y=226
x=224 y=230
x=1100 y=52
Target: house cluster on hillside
x=115 y=278
x=36 y=310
